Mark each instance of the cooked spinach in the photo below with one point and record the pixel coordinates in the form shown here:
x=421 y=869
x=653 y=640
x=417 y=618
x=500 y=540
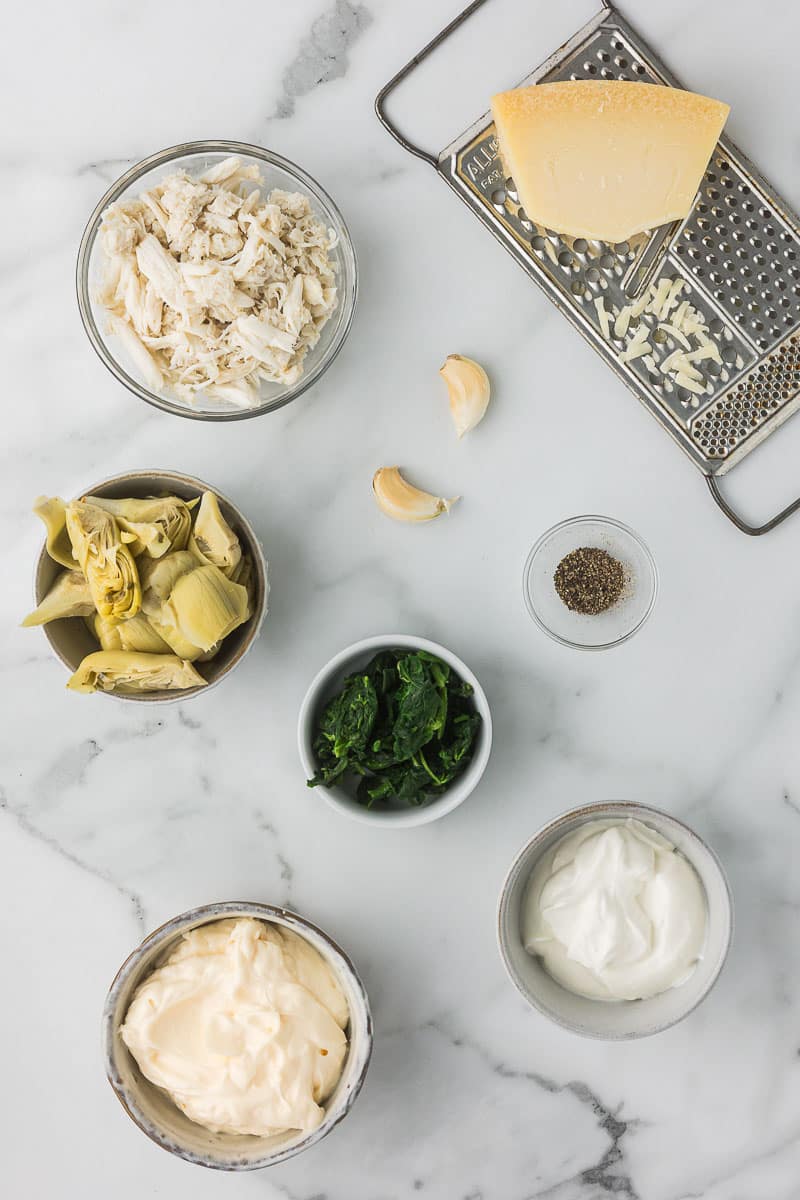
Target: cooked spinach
x=405 y=723
x=345 y=727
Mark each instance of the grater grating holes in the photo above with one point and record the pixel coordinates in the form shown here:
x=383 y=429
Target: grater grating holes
x=605 y=58
x=727 y=422
x=727 y=204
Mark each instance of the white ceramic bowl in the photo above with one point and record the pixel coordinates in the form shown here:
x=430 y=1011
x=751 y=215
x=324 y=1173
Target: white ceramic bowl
x=329 y=680
x=71 y=640
x=152 y=1109
x=615 y=1020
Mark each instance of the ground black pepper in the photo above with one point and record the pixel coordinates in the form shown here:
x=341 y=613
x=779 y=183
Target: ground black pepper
x=589 y=580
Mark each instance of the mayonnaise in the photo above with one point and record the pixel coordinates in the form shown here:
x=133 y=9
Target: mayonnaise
x=615 y=912
x=243 y=1027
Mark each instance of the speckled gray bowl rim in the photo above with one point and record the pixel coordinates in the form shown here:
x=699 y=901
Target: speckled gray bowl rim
x=592 y=812
x=162 y=158
x=440 y=806
x=257 y=619
x=565 y=524
x=213 y=913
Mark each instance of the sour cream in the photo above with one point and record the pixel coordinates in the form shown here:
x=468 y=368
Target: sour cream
x=243 y=1026
x=615 y=912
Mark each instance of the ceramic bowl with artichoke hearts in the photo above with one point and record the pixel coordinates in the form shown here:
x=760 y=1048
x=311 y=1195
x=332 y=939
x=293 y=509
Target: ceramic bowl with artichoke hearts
x=70 y=637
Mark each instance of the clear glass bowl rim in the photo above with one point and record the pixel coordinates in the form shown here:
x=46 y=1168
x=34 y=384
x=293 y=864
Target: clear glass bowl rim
x=600 y=520
x=162 y=158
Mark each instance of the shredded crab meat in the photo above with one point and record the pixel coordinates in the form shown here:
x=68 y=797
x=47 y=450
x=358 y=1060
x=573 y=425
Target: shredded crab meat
x=211 y=288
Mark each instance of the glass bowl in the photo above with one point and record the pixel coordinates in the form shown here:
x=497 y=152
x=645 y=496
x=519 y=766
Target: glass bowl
x=622 y=619
x=196 y=157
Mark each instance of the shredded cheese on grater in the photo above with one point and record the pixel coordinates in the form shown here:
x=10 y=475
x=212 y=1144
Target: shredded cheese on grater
x=661 y=301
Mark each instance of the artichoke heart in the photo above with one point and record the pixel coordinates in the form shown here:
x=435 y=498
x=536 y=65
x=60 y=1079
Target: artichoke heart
x=135 y=634
x=69 y=596
x=129 y=672
x=176 y=642
x=244 y=573
x=156 y=525
x=213 y=540
x=204 y=606
x=105 y=630
x=159 y=577
x=106 y=562
x=53 y=512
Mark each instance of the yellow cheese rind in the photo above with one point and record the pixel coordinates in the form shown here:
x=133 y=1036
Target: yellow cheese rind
x=606 y=159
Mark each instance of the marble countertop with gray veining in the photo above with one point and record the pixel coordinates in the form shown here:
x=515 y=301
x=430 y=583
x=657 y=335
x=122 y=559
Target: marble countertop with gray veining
x=114 y=818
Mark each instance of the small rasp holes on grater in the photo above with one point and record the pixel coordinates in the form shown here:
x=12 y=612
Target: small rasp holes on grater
x=724 y=425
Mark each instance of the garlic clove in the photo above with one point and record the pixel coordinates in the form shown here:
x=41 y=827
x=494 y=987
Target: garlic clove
x=469 y=389
x=401 y=501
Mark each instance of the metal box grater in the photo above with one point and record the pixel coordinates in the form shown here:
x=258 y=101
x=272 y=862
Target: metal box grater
x=738 y=253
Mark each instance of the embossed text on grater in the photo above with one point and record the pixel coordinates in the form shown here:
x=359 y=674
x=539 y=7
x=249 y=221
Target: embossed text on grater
x=737 y=253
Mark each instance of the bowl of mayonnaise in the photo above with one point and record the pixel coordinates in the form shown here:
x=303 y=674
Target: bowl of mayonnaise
x=615 y=920
x=237 y=1035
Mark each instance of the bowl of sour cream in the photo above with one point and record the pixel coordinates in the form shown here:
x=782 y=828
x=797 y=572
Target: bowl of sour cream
x=237 y=1035
x=615 y=920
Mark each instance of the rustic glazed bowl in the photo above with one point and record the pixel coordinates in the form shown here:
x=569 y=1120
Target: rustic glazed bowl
x=615 y=1020
x=152 y=1109
x=71 y=640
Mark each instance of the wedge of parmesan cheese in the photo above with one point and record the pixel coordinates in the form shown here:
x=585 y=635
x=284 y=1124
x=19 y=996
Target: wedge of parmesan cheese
x=606 y=159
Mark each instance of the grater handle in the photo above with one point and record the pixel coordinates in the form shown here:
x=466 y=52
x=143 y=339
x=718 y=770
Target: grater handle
x=380 y=99
x=404 y=72
x=752 y=530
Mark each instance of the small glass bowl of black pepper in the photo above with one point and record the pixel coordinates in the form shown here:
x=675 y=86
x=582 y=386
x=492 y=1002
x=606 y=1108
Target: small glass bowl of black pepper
x=590 y=583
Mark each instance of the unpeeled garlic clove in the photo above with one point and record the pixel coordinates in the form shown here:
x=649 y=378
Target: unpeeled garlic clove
x=399 y=499
x=469 y=389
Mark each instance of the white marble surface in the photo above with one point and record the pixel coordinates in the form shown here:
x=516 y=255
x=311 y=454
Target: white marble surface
x=115 y=818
